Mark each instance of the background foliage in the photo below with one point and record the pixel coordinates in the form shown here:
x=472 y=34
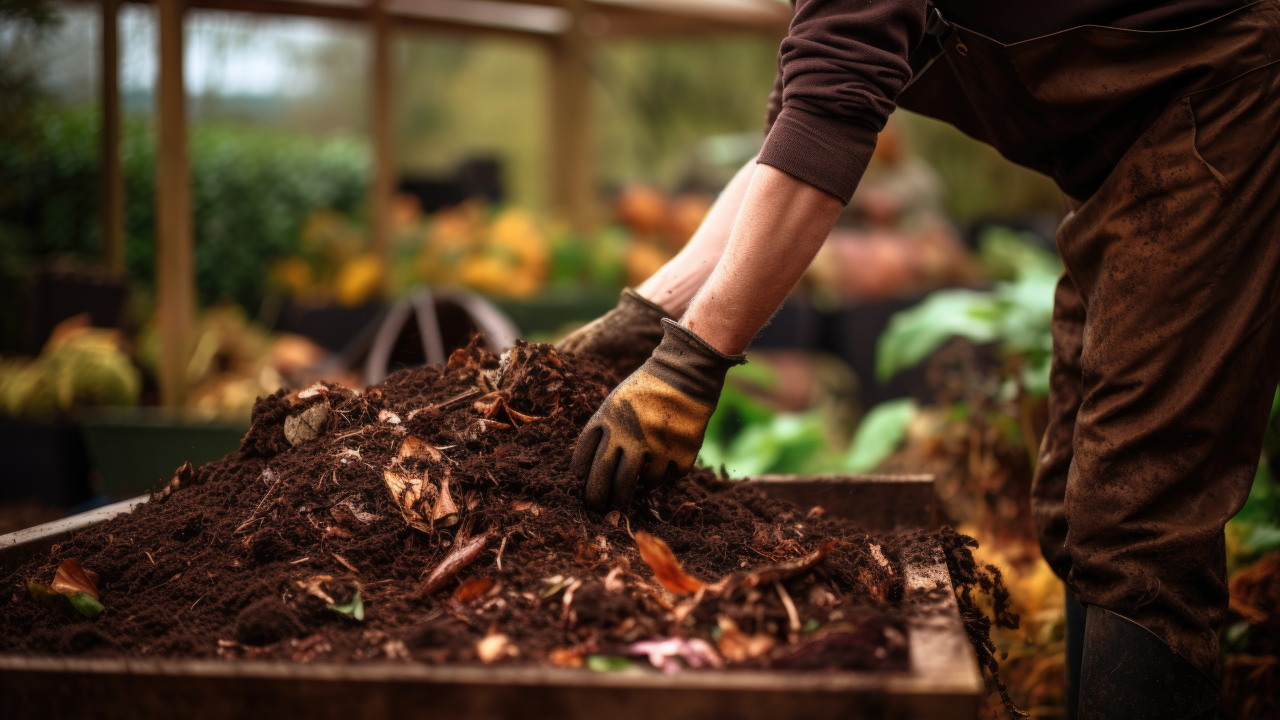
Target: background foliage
x=252 y=190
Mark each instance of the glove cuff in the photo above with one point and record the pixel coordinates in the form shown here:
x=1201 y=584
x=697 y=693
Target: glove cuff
x=633 y=303
x=688 y=363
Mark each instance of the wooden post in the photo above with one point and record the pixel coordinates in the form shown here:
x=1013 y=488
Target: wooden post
x=111 y=198
x=572 y=140
x=382 y=131
x=175 y=256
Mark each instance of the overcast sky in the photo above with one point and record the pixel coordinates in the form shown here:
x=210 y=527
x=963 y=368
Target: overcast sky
x=226 y=53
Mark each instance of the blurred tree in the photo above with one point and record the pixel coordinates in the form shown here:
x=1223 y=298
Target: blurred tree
x=658 y=97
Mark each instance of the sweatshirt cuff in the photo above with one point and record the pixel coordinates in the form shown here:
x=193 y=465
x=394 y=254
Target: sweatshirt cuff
x=828 y=153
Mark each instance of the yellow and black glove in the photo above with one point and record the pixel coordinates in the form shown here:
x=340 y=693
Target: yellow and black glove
x=653 y=423
x=625 y=336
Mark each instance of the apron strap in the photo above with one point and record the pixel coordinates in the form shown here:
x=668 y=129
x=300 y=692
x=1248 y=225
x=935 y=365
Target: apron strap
x=936 y=30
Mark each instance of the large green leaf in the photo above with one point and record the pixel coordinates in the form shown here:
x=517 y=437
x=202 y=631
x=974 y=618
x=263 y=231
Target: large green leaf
x=915 y=333
x=880 y=433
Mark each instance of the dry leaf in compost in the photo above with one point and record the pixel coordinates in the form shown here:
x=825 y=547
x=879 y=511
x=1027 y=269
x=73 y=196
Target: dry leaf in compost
x=494 y=647
x=312 y=586
x=396 y=650
x=72 y=586
x=407 y=492
x=71 y=578
x=473 y=588
x=737 y=646
x=445 y=512
x=879 y=556
x=566 y=657
x=663 y=653
x=415 y=448
x=306 y=425
x=346 y=513
x=314 y=390
x=666 y=568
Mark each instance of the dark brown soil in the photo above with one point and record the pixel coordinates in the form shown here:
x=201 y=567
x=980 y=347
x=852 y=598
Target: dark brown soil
x=227 y=565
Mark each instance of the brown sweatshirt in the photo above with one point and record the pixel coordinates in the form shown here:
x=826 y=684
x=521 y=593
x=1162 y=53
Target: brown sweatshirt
x=842 y=65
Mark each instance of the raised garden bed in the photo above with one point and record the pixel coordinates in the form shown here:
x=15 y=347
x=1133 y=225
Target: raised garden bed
x=423 y=546
x=942 y=680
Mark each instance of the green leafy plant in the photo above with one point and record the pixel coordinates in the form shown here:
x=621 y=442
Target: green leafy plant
x=1015 y=313
x=748 y=438
x=880 y=433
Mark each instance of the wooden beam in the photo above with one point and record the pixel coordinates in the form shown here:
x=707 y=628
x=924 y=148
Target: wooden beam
x=383 y=130
x=610 y=19
x=175 y=252
x=111 y=191
x=572 y=140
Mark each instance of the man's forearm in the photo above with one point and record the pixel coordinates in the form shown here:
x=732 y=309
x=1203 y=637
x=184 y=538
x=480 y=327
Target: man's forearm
x=780 y=226
x=675 y=284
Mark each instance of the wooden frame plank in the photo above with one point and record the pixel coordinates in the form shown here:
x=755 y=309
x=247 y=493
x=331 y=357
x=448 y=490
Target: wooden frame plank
x=382 y=130
x=175 y=251
x=572 y=141
x=111 y=179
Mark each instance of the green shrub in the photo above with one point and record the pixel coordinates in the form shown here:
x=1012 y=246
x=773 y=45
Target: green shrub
x=251 y=191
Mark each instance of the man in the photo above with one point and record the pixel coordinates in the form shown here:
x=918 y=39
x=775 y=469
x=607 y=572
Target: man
x=1159 y=121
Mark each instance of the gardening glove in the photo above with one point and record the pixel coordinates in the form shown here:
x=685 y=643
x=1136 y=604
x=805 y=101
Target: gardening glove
x=653 y=423
x=625 y=336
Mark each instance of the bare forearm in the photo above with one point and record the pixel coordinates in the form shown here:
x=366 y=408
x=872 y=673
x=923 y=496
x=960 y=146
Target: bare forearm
x=675 y=284
x=780 y=226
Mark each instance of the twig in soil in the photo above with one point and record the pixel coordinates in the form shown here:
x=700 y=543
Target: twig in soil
x=345 y=563
x=445 y=403
x=461 y=556
x=197 y=602
x=153 y=560
x=794 y=628
x=501 y=547
x=299 y=560
x=267 y=494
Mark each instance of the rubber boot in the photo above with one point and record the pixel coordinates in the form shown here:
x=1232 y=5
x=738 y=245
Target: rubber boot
x=1128 y=673
x=1075 y=653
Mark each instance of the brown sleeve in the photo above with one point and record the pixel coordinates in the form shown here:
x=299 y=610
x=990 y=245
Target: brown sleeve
x=842 y=65
x=774 y=106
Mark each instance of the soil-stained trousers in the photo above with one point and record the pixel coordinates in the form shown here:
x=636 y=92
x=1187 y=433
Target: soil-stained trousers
x=1166 y=355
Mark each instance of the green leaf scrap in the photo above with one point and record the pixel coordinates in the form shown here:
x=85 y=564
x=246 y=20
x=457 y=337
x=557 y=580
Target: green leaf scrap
x=353 y=609
x=608 y=663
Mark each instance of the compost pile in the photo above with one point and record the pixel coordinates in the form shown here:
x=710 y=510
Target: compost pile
x=432 y=518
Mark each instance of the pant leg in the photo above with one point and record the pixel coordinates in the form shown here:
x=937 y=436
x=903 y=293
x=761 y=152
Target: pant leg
x=1175 y=260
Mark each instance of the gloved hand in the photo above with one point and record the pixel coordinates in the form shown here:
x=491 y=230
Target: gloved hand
x=625 y=336
x=653 y=423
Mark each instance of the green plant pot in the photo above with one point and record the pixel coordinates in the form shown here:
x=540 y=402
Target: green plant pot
x=134 y=449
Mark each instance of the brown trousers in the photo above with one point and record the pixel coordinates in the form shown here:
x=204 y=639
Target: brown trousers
x=1166 y=344
x=1166 y=354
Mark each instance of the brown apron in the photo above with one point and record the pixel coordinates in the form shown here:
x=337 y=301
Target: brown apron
x=1166 y=348
x=1070 y=104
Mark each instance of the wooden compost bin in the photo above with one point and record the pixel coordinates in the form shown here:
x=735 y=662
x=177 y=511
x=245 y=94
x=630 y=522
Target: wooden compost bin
x=943 y=681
